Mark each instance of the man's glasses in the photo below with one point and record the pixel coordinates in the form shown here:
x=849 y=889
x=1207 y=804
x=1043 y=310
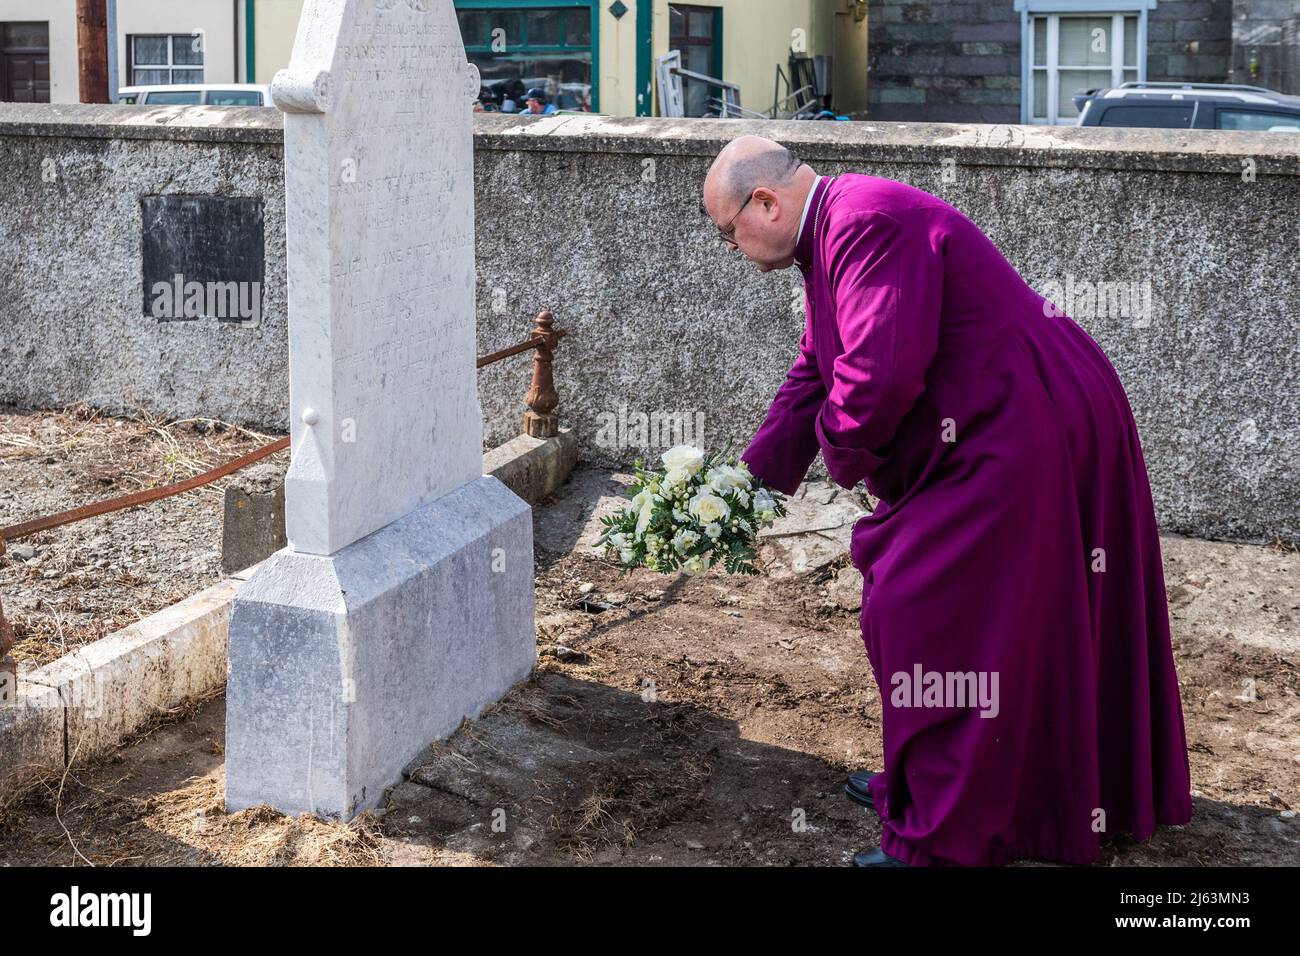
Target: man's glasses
x=724 y=232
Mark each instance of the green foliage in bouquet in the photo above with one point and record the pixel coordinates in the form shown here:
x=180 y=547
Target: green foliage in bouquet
x=696 y=512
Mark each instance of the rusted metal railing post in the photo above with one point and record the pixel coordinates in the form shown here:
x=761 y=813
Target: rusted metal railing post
x=540 y=421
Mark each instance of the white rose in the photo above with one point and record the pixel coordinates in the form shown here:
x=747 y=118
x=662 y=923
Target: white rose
x=696 y=564
x=676 y=476
x=709 y=507
x=685 y=540
x=643 y=519
x=724 y=478
x=686 y=457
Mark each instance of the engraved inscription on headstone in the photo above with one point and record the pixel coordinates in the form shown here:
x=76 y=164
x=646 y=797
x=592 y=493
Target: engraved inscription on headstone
x=380 y=222
x=203 y=257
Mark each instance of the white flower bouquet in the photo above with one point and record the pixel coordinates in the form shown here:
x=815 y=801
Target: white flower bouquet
x=696 y=512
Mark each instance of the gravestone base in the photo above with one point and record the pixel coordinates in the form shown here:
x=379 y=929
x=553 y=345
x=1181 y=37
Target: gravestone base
x=343 y=667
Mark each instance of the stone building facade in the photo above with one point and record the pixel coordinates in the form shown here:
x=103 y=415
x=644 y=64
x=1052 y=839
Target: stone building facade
x=991 y=61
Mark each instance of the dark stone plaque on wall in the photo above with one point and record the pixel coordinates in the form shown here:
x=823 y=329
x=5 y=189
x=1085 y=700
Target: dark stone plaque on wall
x=204 y=257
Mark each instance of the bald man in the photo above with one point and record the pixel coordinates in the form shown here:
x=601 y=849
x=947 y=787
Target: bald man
x=1013 y=604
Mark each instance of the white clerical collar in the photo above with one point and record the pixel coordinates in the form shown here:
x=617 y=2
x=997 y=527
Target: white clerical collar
x=807 y=204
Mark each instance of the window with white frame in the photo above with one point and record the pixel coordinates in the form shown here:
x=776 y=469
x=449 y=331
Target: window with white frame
x=166 y=59
x=1072 y=52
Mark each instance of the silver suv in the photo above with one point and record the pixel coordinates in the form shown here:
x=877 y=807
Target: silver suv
x=1190 y=106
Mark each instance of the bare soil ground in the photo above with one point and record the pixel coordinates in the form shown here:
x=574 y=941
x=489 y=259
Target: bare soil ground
x=671 y=720
x=674 y=721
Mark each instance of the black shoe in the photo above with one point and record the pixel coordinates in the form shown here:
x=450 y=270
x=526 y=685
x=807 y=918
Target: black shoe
x=876 y=857
x=857 y=790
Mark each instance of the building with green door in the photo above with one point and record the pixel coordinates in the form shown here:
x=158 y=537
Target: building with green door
x=599 y=55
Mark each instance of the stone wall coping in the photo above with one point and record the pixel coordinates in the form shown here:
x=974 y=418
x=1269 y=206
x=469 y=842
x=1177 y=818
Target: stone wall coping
x=1070 y=147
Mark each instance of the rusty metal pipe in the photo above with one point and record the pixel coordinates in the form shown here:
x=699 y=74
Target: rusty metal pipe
x=140 y=497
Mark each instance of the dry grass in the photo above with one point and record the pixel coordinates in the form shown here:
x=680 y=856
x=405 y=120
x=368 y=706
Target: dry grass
x=47 y=778
x=125 y=453
x=627 y=798
x=259 y=836
x=185 y=824
x=78 y=591
x=532 y=702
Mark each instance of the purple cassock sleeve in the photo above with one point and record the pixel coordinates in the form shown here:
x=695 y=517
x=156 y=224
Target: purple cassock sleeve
x=886 y=282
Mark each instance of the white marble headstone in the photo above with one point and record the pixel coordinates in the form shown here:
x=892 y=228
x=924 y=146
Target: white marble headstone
x=380 y=228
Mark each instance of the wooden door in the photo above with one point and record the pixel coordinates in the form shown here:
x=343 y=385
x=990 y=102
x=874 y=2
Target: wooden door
x=25 y=62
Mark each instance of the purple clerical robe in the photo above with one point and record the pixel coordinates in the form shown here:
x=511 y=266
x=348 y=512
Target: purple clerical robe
x=1013 y=603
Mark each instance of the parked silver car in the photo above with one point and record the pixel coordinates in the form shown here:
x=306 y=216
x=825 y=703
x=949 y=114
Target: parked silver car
x=197 y=94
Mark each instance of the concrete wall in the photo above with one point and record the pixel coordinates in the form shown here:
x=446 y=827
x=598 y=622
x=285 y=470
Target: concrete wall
x=597 y=219
x=71 y=296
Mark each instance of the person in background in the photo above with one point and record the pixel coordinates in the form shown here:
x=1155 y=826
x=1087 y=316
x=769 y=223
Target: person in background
x=538 y=103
